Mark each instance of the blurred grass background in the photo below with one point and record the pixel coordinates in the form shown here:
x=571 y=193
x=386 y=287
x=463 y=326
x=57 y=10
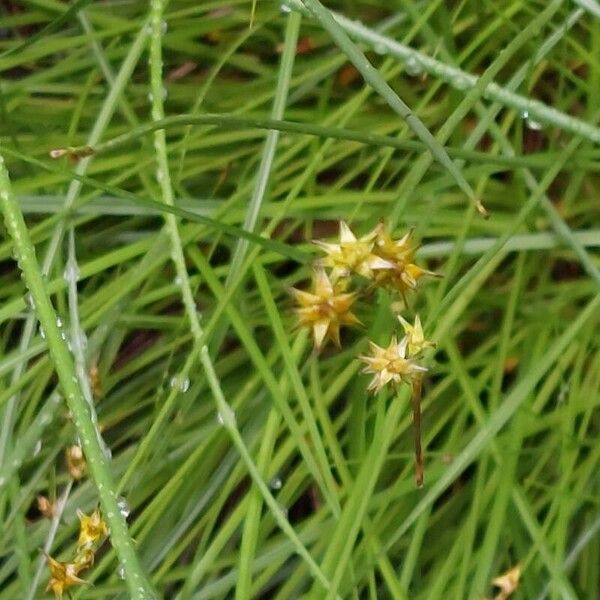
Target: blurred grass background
x=184 y=322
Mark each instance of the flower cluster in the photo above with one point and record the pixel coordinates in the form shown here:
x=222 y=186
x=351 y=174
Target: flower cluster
x=377 y=258
x=383 y=262
x=397 y=362
x=92 y=531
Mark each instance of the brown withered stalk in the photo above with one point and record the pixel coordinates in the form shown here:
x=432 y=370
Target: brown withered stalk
x=416 y=407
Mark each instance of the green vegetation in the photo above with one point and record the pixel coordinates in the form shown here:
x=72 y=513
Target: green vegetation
x=166 y=166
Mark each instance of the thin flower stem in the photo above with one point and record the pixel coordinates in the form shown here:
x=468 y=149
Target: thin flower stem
x=99 y=468
x=416 y=407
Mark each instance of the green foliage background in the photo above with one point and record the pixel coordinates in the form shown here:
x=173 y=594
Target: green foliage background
x=244 y=464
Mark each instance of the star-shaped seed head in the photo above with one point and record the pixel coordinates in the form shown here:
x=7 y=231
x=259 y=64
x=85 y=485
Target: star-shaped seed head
x=390 y=364
x=396 y=269
x=325 y=308
x=62 y=576
x=351 y=255
x=92 y=528
x=402 y=278
x=396 y=251
x=415 y=338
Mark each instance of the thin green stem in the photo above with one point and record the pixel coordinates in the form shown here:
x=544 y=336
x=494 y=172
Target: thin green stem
x=462 y=80
x=99 y=466
x=235 y=122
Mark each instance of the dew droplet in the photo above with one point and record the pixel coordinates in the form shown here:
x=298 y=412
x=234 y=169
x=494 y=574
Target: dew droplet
x=460 y=82
x=226 y=417
x=121 y=572
x=533 y=125
x=562 y=393
x=59 y=322
x=276 y=483
x=284 y=8
x=42 y=333
x=413 y=65
x=82 y=339
x=71 y=273
x=123 y=507
x=380 y=48
x=37 y=448
x=180 y=382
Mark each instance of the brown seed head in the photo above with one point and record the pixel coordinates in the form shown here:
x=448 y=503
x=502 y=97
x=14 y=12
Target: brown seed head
x=75 y=462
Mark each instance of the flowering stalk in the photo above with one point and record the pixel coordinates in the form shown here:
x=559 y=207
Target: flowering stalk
x=388 y=263
x=396 y=364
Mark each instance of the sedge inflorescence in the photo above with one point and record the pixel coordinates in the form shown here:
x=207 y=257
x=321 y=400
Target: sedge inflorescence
x=64 y=575
x=374 y=260
x=379 y=261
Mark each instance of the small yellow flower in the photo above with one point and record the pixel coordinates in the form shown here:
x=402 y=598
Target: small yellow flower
x=416 y=339
x=508 y=582
x=91 y=528
x=62 y=576
x=76 y=462
x=390 y=364
x=351 y=255
x=325 y=308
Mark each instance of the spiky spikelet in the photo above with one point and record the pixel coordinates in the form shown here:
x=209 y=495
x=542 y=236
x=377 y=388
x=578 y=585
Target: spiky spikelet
x=391 y=364
x=325 y=308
